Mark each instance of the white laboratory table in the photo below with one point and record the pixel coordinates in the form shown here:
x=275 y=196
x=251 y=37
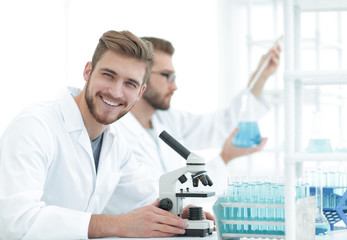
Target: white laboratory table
x=333 y=235
x=209 y=237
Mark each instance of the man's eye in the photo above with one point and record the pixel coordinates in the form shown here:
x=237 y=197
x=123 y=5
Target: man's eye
x=165 y=74
x=108 y=75
x=132 y=84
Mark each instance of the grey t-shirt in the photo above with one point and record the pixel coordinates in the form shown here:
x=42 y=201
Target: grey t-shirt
x=96 y=147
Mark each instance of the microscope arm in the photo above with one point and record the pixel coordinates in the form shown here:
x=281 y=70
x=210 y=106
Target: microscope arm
x=167 y=182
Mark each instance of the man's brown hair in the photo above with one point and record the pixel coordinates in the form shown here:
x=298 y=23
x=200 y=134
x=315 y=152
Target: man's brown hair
x=128 y=44
x=161 y=45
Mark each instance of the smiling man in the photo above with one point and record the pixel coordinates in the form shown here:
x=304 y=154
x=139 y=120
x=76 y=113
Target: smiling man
x=60 y=161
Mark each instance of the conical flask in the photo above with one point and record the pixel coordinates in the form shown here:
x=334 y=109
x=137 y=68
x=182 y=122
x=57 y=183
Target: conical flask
x=318 y=142
x=249 y=134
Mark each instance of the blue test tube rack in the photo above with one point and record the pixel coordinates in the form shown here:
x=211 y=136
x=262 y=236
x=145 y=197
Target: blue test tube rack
x=334 y=204
x=254 y=209
x=249 y=226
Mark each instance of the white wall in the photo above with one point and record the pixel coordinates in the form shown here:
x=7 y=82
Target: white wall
x=32 y=50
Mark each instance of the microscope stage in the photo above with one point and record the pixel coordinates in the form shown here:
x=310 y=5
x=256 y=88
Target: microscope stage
x=195 y=194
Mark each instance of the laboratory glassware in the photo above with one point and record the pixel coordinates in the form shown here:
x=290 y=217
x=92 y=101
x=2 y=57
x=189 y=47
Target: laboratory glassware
x=249 y=134
x=318 y=143
x=322 y=225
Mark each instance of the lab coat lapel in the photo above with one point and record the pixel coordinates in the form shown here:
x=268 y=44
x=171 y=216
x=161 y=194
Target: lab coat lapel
x=107 y=163
x=74 y=123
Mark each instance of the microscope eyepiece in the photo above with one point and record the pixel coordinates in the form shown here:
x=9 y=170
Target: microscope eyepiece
x=174 y=144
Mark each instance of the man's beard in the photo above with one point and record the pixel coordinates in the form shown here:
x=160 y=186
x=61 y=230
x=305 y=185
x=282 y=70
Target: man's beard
x=90 y=100
x=154 y=99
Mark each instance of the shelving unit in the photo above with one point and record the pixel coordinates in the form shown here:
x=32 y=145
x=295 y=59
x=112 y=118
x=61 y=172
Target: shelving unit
x=295 y=79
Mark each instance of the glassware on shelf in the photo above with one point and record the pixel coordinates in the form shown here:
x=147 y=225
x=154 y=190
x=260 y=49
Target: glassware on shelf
x=318 y=143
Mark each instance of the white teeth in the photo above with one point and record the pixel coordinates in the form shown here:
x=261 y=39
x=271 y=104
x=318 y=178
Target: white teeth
x=110 y=103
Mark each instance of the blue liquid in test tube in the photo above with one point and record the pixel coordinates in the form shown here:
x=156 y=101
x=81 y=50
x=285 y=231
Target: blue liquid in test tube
x=262 y=211
x=246 y=199
x=238 y=213
x=254 y=191
x=280 y=211
x=248 y=135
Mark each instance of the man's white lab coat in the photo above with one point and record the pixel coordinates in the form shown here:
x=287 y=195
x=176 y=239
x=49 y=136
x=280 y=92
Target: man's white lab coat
x=195 y=132
x=48 y=184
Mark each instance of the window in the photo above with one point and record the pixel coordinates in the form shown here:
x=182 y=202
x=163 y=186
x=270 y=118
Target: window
x=250 y=27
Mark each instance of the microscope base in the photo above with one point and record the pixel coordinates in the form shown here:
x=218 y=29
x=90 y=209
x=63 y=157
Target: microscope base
x=199 y=228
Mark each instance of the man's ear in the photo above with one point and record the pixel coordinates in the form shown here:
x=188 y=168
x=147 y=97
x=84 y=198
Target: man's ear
x=87 y=71
x=143 y=88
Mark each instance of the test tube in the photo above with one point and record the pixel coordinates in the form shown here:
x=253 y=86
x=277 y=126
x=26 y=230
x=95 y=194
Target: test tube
x=255 y=183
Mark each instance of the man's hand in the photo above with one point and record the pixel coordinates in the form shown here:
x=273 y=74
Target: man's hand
x=231 y=151
x=144 y=222
x=271 y=67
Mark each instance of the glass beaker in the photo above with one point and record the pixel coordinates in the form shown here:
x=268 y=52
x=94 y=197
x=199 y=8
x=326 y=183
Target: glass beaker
x=318 y=143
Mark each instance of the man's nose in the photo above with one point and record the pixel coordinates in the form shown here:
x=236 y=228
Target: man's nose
x=117 y=89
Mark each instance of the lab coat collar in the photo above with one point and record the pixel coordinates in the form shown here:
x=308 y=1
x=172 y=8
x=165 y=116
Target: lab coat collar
x=71 y=113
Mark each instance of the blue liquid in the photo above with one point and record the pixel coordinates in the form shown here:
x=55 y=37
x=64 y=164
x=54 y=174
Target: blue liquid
x=340 y=149
x=322 y=229
x=319 y=146
x=248 y=135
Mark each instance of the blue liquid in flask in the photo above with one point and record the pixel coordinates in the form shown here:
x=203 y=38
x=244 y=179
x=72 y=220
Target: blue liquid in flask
x=248 y=135
x=319 y=146
x=322 y=229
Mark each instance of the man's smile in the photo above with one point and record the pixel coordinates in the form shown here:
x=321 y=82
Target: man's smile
x=110 y=103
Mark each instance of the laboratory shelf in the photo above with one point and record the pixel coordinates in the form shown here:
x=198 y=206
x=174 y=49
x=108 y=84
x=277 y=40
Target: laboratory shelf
x=318 y=157
x=295 y=79
x=317 y=77
x=321 y=5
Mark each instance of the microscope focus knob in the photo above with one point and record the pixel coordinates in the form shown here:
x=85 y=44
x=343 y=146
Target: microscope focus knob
x=166 y=204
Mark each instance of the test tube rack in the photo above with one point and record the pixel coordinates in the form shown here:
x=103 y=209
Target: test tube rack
x=230 y=227
x=251 y=228
x=334 y=204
